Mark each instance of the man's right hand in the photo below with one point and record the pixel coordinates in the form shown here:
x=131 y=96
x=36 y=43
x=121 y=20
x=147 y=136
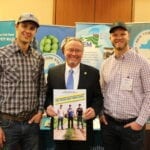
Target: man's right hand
x=2 y=138
x=50 y=111
x=103 y=120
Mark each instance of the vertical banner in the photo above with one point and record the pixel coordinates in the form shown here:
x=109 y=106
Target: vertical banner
x=96 y=42
x=48 y=41
x=7 y=32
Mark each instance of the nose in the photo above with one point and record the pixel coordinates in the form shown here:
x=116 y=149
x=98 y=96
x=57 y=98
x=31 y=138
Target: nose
x=74 y=52
x=119 y=37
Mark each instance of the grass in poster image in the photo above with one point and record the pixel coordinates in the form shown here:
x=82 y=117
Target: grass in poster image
x=75 y=133
x=69 y=134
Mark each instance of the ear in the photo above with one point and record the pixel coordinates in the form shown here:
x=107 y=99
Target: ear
x=62 y=50
x=129 y=34
x=110 y=37
x=16 y=25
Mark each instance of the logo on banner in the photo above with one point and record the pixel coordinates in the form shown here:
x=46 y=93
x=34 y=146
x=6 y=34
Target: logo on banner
x=51 y=60
x=142 y=40
x=142 y=43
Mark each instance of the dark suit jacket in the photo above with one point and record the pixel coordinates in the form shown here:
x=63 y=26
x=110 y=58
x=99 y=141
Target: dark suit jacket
x=88 y=79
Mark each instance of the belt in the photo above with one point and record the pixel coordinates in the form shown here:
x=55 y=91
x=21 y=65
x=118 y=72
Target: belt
x=119 y=121
x=19 y=117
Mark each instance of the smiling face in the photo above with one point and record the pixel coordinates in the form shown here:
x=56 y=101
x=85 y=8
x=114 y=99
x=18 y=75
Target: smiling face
x=73 y=52
x=120 y=39
x=25 y=32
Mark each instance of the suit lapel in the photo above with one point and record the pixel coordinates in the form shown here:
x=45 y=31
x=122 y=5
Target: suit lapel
x=82 y=77
x=62 y=77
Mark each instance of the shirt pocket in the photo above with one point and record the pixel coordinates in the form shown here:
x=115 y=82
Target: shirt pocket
x=35 y=72
x=135 y=77
x=11 y=73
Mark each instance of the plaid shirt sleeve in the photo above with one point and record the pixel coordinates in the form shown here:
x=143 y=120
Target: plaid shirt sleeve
x=42 y=86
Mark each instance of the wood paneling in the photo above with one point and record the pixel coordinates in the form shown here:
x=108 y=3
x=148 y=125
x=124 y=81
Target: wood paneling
x=67 y=12
x=113 y=10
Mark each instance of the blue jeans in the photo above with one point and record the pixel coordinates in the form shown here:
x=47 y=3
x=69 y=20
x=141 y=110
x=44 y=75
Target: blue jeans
x=20 y=135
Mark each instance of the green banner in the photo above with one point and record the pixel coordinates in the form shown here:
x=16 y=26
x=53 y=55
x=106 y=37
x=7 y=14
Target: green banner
x=7 y=32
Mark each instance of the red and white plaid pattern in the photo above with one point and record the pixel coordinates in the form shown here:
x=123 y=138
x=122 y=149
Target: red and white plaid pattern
x=125 y=104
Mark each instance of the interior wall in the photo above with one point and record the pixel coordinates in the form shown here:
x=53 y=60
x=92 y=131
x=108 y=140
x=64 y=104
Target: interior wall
x=142 y=11
x=12 y=9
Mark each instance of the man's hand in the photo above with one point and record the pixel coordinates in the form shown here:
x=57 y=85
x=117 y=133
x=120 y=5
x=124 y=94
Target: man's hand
x=36 y=118
x=50 y=111
x=89 y=113
x=134 y=126
x=2 y=138
x=103 y=120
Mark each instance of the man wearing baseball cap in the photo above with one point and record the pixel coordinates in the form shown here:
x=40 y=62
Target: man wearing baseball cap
x=125 y=82
x=21 y=88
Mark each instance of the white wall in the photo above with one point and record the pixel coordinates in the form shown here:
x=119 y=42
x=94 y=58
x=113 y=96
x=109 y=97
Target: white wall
x=12 y=9
x=141 y=11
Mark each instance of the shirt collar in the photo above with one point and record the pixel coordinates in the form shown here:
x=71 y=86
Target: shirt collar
x=127 y=54
x=17 y=48
x=75 y=69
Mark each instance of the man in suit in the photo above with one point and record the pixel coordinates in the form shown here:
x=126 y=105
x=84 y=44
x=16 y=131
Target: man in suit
x=85 y=77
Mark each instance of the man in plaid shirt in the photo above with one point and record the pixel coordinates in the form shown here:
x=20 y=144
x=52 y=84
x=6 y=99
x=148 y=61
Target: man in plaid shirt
x=125 y=82
x=21 y=88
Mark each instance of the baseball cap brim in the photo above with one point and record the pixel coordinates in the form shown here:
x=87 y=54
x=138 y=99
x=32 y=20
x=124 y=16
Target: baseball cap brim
x=117 y=25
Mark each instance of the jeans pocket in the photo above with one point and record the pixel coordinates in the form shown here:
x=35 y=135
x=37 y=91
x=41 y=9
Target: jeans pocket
x=134 y=135
x=5 y=123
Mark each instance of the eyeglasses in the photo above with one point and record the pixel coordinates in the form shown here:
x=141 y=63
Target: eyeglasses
x=71 y=50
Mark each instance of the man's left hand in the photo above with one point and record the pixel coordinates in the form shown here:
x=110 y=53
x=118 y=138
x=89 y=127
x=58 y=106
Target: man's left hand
x=36 y=118
x=134 y=126
x=89 y=113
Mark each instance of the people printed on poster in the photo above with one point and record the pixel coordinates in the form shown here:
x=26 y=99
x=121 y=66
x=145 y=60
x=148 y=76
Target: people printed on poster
x=70 y=118
x=69 y=123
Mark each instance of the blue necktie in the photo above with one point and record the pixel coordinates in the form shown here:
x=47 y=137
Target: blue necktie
x=70 y=81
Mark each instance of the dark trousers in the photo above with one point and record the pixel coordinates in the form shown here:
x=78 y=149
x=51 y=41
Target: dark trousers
x=79 y=121
x=71 y=145
x=70 y=122
x=116 y=137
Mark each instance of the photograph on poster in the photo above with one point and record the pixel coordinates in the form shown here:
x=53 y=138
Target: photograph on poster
x=69 y=106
